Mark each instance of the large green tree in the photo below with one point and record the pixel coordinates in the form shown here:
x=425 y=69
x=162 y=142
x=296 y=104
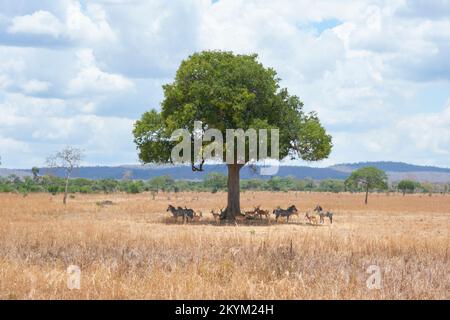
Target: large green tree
x=228 y=91
x=407 y=186
x=215 y=181
x=367 y=178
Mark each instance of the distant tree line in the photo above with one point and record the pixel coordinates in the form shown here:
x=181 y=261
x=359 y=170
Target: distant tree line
x=213 y=182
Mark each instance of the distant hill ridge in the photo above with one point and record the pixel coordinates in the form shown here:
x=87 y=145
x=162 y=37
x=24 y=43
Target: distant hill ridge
x=395 y=170
x=389 y=166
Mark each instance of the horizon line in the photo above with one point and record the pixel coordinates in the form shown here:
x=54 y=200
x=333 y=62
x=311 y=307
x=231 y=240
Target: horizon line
x=293 y=164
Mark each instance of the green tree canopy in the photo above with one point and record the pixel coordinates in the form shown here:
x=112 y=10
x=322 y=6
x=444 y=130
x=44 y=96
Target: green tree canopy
x=215 y=181
x=367 y=178
x=331 y=185
x=161 y=183
x=407 y=186
x=228 y=91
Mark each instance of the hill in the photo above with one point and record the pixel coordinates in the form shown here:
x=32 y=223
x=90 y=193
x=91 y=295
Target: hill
x=395 y=170
x=388 y=166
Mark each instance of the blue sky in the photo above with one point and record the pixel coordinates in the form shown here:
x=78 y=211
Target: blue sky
x=81 y=72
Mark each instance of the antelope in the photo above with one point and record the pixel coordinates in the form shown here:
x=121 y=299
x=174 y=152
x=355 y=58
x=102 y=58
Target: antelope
x=198 y=216
x=262 y=212
x=242 y=216
x=249 y=214
x=216 y=215
x=323 y=214
x=285 y=213
x=311 y=219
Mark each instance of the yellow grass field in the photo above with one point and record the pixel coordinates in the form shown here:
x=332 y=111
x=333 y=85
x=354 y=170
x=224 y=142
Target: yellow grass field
x=132 y=250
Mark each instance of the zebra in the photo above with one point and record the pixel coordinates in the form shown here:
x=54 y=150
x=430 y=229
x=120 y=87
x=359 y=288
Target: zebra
x=322 y=214
x=189 y=213
x=180 y=212
x=278 y=212
x=176 y=212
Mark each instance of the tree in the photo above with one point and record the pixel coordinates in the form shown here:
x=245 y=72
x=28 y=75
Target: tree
x=407 y=186
x=161 y=183
x=367 y=178
x=446 y=188
x=67 y=159
x=280 y=184
x=35 y=172
x=228 y=91
x=215 y=181
x=427 y=187
x=331 y=185
x=127 y=175
x=133 y=187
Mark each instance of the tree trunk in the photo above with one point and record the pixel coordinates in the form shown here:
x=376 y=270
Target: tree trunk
x=234 y=203
x=65 y=191
x=367 y=194
x=66 y=188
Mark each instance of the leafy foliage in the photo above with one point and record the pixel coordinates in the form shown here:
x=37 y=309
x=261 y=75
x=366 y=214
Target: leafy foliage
x=211 y=183
x=407 y=186
x=215 y=181
x=367 y=178
x=227 y=91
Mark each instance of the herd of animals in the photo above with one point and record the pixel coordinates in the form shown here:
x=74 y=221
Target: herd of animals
x=190 y=215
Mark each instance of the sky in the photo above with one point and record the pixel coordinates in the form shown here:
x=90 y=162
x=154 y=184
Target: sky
x=81 y=73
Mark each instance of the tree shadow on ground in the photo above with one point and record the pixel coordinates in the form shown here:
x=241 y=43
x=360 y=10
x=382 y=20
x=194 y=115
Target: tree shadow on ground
x=245 y=222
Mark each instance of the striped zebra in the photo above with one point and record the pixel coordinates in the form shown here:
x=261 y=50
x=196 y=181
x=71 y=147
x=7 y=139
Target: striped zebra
x=189 y=213
x=322 y=214
x=181 y=212
x=176 y=212
x=278 y=212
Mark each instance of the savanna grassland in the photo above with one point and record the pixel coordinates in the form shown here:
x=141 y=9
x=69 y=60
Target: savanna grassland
x=133 y=250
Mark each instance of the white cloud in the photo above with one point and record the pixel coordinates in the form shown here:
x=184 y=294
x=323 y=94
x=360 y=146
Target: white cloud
x=78 y=71
x=428 y=132
x=35 y=86
x=91 y=80
x=10 y=145
x=91 y=26
x=98 y=136
x=4 y=81
x=40 y=22
x=75 y=25
x=32 y=128
x=10 y=63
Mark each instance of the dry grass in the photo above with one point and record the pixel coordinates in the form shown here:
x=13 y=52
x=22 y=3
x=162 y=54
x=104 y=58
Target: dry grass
x=126 y=250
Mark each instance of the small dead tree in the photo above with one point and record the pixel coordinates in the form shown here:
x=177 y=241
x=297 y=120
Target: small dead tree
x=67 y=159
x=127 y=175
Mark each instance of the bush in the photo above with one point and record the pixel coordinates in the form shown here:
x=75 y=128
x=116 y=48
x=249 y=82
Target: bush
x=85 y=189
x=213 y=182
x=133 y=188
